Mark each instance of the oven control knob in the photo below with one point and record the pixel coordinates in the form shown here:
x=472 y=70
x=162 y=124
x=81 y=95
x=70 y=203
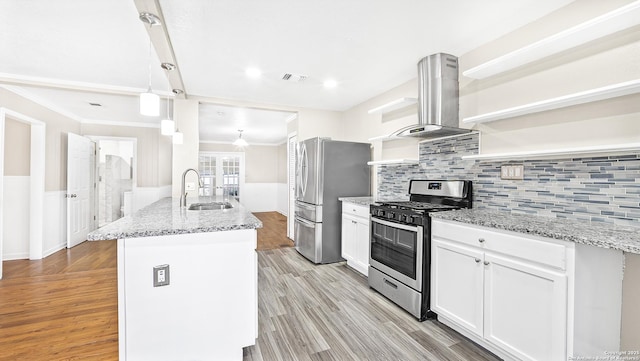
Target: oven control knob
x=380 y=212
x=391 y=215
x=408 y=219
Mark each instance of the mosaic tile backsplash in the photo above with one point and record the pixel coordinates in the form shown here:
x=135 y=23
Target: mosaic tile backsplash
x=602 y=189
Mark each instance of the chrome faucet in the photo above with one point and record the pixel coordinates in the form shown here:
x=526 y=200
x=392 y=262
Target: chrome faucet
x=183 y=193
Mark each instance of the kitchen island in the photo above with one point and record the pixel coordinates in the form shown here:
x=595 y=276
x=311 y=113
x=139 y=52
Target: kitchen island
x=187 y=281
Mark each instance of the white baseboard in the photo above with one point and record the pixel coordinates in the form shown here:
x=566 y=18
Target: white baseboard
x=49 y=252
x=13 y=256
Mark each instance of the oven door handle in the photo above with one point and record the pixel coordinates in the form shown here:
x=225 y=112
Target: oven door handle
x=395 y=225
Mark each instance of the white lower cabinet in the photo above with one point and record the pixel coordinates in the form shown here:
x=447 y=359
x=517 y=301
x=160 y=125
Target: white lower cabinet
x=524 y=297
x=355 y=236
x=459 y=284
x=523 y=300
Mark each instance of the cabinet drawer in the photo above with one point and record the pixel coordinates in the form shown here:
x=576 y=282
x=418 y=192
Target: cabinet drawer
x=535 y=249
x=355 y=210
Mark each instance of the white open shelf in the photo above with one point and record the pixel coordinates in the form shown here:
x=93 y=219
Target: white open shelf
x=393 y=161
x=592 y=95
x=601 y=26
x=393 y=105
x=553 y=153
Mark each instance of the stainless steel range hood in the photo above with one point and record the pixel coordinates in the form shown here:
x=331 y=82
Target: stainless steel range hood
x=437 y=99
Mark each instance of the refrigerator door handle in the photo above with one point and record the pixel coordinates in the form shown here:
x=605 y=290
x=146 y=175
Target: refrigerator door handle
x=305 y=222
x=311 y=207
x=305 y=169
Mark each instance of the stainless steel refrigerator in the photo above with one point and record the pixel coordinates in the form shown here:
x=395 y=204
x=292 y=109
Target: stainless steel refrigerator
x=325 y=170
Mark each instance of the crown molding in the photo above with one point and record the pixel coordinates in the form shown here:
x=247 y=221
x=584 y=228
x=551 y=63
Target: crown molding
x=76 y=85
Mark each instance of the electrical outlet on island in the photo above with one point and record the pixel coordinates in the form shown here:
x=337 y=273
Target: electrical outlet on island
x=161 y=275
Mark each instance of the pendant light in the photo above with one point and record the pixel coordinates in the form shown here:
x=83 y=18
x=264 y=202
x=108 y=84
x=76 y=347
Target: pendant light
x=240 y=142
x=149 y=102
x=167 y=126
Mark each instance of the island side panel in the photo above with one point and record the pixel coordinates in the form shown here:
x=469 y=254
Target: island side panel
x=209 y=309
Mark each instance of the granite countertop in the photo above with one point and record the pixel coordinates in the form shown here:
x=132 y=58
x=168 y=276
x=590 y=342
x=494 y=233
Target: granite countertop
x=599 y=234
x=361 y=201
x=165 y=217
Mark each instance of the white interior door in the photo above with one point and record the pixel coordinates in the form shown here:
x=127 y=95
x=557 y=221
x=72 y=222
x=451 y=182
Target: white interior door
x=79 y=155
x=291 y=170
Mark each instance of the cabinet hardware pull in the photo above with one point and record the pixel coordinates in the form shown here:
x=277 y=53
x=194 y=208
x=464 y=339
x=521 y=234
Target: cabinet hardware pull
x=390 y=283
x=486 y=263
x=481 y=240
x=477 y=260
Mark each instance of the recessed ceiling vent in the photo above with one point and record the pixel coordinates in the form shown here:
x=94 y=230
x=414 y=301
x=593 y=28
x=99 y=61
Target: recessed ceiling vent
x=295 y=78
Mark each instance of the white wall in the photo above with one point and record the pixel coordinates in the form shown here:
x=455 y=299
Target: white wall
x=320 y=123
x=144 y=196
x=282 y=204
x=16 y=217
x=185 y=155
x=607 y=61
x=55 y=222
x=260 y=197
x=266 y=177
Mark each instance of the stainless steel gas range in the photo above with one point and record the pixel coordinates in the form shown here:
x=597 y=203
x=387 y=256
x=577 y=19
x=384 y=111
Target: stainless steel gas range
x=400 y=256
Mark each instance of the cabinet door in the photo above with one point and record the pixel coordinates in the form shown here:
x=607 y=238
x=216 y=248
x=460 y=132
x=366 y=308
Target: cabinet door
x=457 y=284
x=349 y=229
x=361 y=257
x=525 y=309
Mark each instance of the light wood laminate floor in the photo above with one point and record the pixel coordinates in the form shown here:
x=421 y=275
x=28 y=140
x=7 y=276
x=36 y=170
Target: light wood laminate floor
x=328 y=312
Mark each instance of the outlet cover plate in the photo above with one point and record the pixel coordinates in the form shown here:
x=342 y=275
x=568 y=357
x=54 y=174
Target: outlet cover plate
x=512 y=171
x=161 y=275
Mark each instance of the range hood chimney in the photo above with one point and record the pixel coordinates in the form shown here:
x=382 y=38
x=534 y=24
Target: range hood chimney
x=437 y=99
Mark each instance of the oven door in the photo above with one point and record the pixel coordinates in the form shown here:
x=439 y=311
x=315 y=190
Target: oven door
x=397 y=250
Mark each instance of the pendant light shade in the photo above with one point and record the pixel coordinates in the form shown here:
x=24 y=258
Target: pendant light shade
x=240 y=142
x=149 y=104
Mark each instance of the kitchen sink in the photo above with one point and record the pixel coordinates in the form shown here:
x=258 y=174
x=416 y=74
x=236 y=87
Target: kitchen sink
x=210 y=206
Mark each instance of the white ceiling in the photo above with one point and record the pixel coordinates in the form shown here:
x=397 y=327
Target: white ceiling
x=367 y=46
x=258 y=126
